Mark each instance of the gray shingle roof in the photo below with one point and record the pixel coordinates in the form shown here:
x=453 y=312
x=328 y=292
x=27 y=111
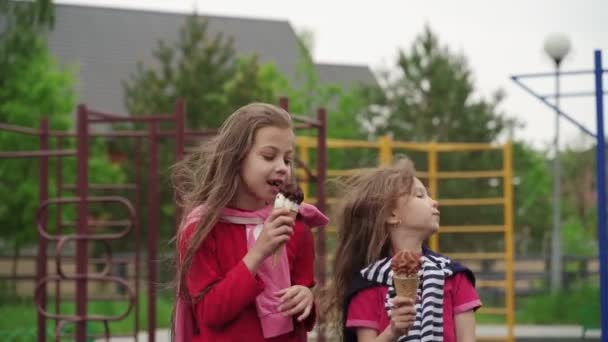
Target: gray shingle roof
x=345 y=75
x=106 y=43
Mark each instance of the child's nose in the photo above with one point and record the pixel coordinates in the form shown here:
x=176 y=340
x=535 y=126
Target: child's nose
x=282 y=167
x=435 y=204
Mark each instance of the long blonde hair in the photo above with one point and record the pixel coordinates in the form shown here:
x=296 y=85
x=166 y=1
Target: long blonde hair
x=366 y=202
x=211 y=174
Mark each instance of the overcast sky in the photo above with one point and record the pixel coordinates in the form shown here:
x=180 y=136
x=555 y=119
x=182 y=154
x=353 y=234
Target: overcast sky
x=499 y=38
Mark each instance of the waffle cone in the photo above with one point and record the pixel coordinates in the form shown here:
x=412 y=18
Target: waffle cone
x=277 y=253
x=406 y=285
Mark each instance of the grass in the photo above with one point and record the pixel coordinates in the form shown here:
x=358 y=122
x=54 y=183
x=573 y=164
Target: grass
x=19 y=317
x=579 y=306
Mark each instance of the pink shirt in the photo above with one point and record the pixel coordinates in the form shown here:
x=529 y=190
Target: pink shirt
x=366 y=310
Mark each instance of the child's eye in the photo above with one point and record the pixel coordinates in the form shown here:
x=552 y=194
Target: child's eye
x=288 y=161
x=268 y=158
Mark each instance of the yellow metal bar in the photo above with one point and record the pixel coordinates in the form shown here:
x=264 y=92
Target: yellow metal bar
x=306 y=141
x=336 y=143
x=385 y=154
x=472 y=229
x=470 y=174
x=422 y=174
x=508 y=217
x=411 y=146
x=341 y=143
x=432 y=183
x=476 y=256
x=304 y=158
x=453 y=202
x=467 y=147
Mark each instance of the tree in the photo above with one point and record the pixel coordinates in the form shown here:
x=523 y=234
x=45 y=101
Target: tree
x=205 y=71
x=32 y=86
x=343 y=107
x=430 y=97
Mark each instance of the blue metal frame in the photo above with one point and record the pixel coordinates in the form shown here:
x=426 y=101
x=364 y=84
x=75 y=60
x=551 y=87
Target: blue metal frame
x=599 y=93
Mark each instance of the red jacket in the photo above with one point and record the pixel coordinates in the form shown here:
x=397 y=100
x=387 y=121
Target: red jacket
x=227 y=312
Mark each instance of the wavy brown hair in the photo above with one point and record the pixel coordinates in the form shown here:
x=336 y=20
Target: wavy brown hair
x=366 y=201
x=210 y=175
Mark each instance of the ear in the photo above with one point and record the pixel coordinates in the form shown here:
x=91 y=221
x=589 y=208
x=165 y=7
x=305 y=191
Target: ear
x=393 y=219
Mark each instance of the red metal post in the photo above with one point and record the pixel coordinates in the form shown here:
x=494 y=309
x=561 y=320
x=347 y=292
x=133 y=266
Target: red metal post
x=42 y=242
x=153 y=218
x=180 y=127
x=284 y=102
x=321 y=178
x=138 y=184
x=58 y=223
x=82 y=161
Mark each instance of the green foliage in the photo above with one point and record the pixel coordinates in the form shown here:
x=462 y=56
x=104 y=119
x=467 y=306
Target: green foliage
x=431 y=97
x=203 y=70
x=33 y=86
x=581 y=305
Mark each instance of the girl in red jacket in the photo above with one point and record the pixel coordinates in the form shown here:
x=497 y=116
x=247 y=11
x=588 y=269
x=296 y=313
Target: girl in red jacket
x=230 y=288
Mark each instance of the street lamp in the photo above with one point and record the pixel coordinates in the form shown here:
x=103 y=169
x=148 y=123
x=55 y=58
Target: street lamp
x=557 y=46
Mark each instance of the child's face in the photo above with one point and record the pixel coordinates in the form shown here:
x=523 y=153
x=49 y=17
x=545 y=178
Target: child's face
x=417 y=211
x=266 y=167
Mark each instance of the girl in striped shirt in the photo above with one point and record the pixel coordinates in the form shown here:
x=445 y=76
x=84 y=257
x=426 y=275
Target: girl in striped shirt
x=383 y=211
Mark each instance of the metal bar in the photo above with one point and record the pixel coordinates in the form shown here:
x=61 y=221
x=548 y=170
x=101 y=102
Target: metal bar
x=97 y=116
x=37 y=154
x=43 y=195
x=58 y=185
x=19 y=129
x=200 y=132
x=305 y=179
x=556 y=254
x=572 y=94
x=508 y=220
x=342 y=143
x=284 y=103
x=469 y=174
x=138 y=182
x=601 y=193
x=476 y=256
x=306 y=120
x=556 y=109
x=545 y=74
x=433 y=166
x=81 y=245
x=471 y=201
x=385 y=153
x=179 y=151
x=320 y=185
x=103 y=187
x=153 y=218
x=99 y=224
x=472 y=229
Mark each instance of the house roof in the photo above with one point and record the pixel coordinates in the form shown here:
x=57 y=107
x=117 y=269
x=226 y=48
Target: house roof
x=106 y=43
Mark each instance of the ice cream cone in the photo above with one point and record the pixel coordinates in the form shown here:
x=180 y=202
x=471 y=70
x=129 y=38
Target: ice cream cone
x=277 y=253
x=406 y=285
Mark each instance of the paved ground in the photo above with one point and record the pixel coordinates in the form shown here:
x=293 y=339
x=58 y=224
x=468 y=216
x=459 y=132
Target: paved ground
x=523 y=333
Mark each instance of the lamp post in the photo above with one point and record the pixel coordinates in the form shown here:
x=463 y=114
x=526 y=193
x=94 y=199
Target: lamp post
x=556 y=47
